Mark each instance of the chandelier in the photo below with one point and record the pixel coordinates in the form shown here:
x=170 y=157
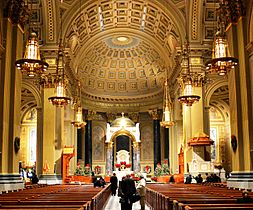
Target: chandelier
x=60 y=99
x=31 y=63
x=78 y=122
x=166 y=119
x=221 y=63
x=188 y=80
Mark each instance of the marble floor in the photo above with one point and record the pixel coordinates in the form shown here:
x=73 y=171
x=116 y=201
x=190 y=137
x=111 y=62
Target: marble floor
x=113 y=204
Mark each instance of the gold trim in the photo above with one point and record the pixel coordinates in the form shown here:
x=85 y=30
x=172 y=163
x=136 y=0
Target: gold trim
x=123 y=132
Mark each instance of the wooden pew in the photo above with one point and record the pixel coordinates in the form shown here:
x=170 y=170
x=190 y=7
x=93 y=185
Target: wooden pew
x=190 y=195
x=219 y=206
x=57 y=197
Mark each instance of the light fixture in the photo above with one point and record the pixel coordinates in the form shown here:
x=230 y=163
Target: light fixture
x=78 y=122
x=31 y=63
x=188 y=98
x=166 y=119
x=188 y=79
x=221 y=63
x=60 y=99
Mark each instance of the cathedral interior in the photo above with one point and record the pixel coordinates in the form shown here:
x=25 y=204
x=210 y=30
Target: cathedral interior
x=126 y=81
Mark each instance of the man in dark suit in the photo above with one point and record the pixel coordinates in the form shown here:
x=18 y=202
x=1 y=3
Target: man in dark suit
x=127 y=189
x=114 y=183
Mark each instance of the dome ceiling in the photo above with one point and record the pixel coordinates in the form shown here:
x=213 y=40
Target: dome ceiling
x=122 y=66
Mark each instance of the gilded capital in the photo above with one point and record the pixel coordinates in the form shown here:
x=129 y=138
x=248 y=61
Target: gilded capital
x=91 y=114
x=48 y=81
x=110 y=144
x=110 y=116
x=136 y=145
x=134 y=116
x=154 y=114
x=17 y=11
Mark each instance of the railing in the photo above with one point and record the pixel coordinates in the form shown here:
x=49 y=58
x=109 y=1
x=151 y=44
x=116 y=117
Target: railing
x=99 y=201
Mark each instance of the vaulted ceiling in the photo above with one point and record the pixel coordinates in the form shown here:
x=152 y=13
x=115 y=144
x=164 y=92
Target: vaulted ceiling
x=121 y=50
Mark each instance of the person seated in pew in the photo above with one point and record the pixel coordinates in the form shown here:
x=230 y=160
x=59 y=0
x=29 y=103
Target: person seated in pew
x=172 y=180
x=100 y=182
x=245 y=198
x=188 y=179
x=216 y=178
x=209 y=178
x=34 y=178
x=199 y=179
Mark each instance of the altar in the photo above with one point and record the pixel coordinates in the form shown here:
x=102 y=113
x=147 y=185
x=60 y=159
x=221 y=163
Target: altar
x=123 y=138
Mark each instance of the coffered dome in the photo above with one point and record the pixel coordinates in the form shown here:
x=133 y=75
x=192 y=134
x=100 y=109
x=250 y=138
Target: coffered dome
x=122 y=66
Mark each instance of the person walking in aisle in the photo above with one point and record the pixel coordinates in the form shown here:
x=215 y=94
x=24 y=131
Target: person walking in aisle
x=127 y=189
x=114 y=184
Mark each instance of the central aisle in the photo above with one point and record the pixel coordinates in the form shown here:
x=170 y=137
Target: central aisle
x=113 y=204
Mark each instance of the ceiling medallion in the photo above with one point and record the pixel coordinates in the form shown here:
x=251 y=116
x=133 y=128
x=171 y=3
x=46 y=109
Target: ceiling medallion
x=122 y=41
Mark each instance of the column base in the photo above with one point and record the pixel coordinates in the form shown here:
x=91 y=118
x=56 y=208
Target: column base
x=50 y=179
x=241 y=180
x=11 y=182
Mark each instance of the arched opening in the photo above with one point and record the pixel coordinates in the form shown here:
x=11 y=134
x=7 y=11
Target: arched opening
x=28 y=143
x=123 y=150
x=220 y=128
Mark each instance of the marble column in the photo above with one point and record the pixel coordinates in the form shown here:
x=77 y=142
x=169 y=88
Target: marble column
x=88 y=139
x=80 y=143
x=136 y=157
x=167 y=146
x=157 y=141
x=109 y=158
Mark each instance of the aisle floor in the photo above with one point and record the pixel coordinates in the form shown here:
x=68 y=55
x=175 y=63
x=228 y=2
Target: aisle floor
x=113 y=204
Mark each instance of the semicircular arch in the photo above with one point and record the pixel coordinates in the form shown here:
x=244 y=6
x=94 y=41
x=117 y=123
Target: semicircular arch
x=29 y=86
x=122 y=132
x=210 y=90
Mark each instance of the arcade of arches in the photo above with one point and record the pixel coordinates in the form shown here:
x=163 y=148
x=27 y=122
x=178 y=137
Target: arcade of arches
x=122 y=51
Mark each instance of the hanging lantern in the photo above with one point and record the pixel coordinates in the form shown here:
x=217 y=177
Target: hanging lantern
x=221 y=63
x=32 y=64
x=187 y=98
x=60 y=98
x=78 y=122
x=166 y=119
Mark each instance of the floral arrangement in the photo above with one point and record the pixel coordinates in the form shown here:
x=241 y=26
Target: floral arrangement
x=122 y=165
x=161 y=170
x=98 y=169
x=147 y=169
x=79 y=170
x=82 y=171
